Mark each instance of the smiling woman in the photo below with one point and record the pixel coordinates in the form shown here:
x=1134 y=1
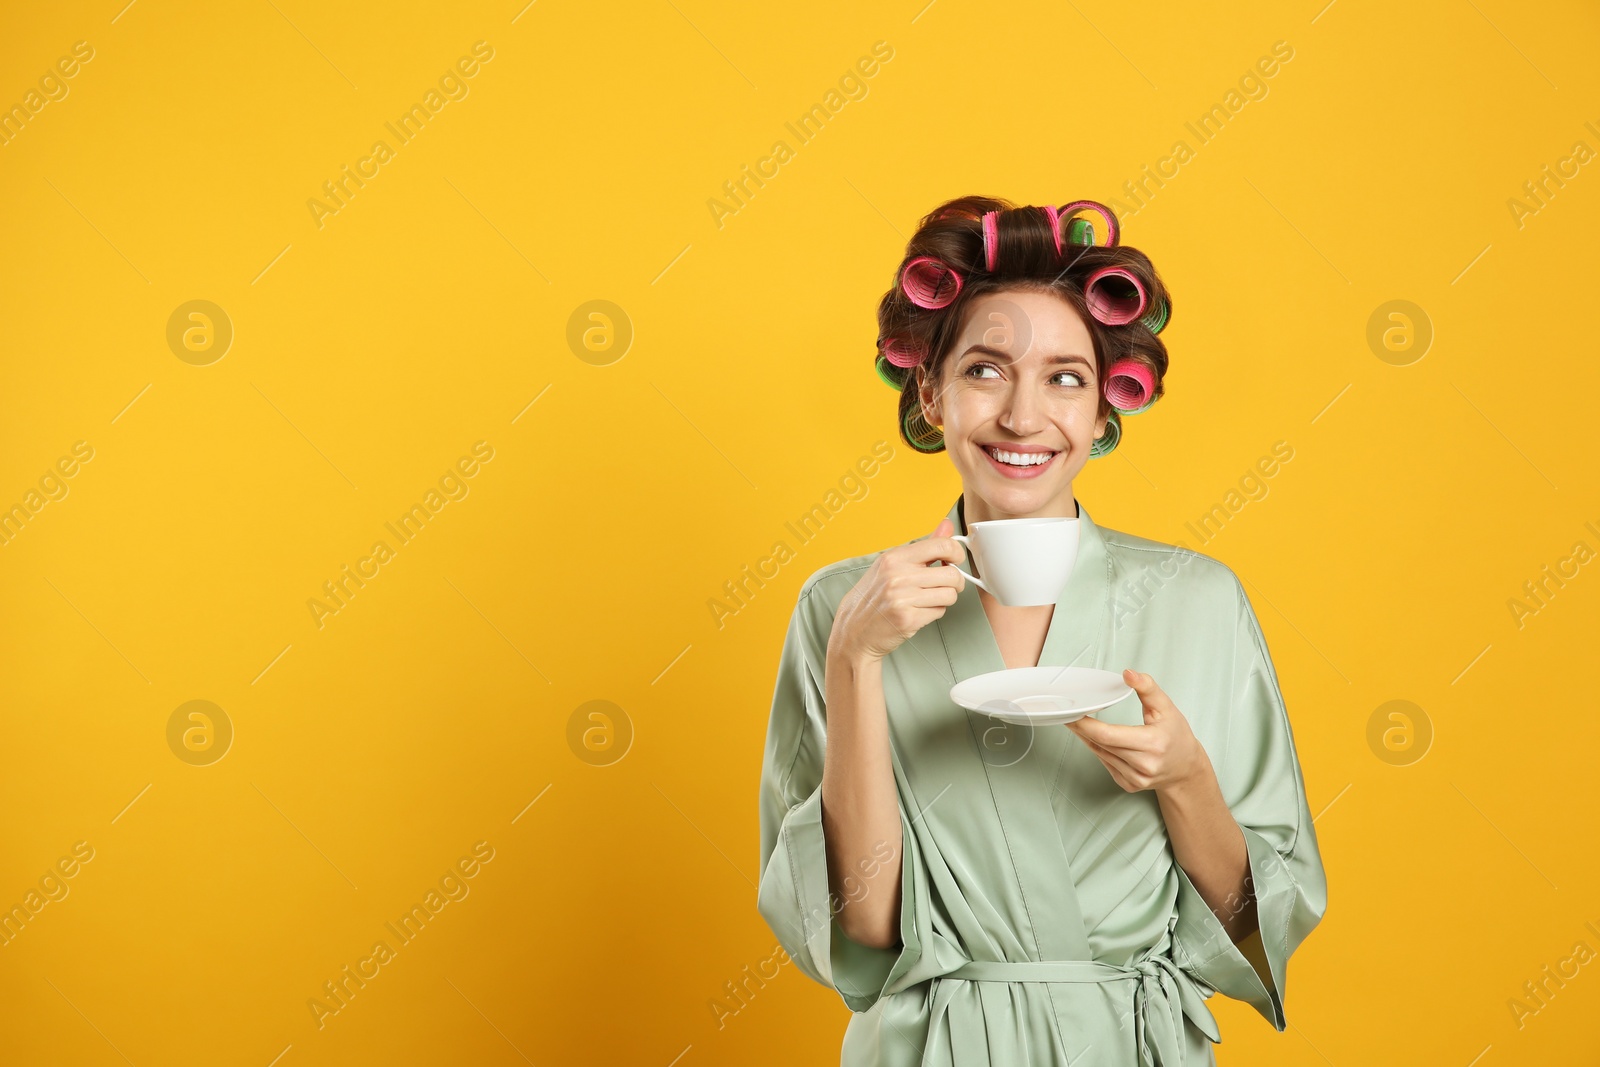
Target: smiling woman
x=1095 y=891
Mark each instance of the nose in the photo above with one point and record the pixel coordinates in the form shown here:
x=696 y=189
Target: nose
x=1024 y=410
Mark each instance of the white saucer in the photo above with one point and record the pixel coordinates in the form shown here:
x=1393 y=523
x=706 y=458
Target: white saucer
x=1041 y=696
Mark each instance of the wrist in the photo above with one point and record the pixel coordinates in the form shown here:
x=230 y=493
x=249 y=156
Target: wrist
x=850 y=659
x=1198 y=785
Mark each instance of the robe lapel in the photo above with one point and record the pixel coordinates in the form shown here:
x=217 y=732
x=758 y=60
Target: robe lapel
x=1022 y=789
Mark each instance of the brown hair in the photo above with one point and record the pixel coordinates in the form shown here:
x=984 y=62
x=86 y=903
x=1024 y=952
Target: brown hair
x=1026 y=259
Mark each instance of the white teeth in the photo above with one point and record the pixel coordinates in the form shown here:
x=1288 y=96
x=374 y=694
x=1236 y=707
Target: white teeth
x=1021 y=459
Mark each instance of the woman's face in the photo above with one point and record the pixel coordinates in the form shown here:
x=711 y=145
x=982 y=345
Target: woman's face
x=1019 y=400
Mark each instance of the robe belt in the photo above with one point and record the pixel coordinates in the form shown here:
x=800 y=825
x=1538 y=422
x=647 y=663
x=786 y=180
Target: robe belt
x=1164 y=994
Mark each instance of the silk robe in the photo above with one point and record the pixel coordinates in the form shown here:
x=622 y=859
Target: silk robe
x=1043 y=917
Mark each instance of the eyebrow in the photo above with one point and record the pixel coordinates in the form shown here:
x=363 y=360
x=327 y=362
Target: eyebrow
x=1006 y=357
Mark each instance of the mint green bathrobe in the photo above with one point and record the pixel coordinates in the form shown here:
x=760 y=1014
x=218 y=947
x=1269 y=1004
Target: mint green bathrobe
x=1043 y=917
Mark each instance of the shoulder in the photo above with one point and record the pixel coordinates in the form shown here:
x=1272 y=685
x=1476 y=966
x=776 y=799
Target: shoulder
x=819 y=597
x=1141 y=560
x=826 y=586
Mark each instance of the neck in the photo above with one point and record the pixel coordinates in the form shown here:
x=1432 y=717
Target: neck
x=976 y=509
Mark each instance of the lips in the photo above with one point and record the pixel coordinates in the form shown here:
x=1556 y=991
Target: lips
x=1020 y=461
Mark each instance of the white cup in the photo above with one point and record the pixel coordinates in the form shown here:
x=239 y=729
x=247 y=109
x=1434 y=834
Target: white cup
x=1024 y=561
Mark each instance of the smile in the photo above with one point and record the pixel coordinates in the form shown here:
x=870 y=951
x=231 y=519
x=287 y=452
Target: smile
x=1019 y=464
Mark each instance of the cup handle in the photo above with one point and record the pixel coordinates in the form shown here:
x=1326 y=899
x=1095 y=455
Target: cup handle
x=963 y=538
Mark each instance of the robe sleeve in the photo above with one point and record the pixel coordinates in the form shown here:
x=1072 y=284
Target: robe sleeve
x=1263 y=786
x=793 y=896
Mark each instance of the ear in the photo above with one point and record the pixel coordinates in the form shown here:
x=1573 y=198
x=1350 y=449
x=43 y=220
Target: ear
x=1100 y=423
x=928 y=396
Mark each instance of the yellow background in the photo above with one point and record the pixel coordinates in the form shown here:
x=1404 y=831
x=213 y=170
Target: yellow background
x=370 y=353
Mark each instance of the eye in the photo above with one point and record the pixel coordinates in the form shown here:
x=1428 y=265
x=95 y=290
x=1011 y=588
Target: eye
x=974 y=370
x=1077 y=379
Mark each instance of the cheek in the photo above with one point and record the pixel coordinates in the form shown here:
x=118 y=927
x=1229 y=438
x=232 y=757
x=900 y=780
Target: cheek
x=1077 y=421
x=967 y=407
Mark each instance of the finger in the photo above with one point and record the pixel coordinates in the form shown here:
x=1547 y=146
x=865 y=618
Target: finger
x=937 y=596
x=1111 y=757
x=925 y=574
x=920 y=617
x=929 y=549
x=1113 y=735
x=1120 y=768
x=1152 y=701
x=918 y=580
x=1151 y=695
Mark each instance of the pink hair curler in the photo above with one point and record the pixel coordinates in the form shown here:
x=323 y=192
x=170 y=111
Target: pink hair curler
x=1115 y=296
x=903 y=353
x=991 y=239
x=1055 y=226
x=1129 y=386
x=930 y=283
x=1112 y=233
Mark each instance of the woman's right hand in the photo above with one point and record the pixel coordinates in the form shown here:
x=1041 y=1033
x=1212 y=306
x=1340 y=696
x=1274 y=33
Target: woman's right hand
x=899 y=595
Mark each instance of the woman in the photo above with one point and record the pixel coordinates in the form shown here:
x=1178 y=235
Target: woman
x=980 y=893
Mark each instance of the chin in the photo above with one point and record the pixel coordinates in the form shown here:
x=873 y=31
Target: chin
x=1020 y=496
x=1023 y=499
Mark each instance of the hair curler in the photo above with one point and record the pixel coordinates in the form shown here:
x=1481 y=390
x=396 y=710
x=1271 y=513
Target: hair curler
x=892 y=376
x=1055 y=226
x=1108 y=441
x=930 y=283
x=903 y=353
x=923 y=437
x=1100 y=209
x=1129 y=387
x=1155 y=319
x=991 y=239
x=1115 y=296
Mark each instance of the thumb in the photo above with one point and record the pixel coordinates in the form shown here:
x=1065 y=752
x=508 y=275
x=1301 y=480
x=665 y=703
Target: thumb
x=1148 y=693
x=945 y=527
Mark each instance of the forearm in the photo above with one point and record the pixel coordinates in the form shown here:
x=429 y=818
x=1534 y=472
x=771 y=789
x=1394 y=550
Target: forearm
x=860 y=807
x=1210 y=847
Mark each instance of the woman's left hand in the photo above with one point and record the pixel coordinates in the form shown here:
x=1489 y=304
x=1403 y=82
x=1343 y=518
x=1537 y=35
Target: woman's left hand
x=1162 y=754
